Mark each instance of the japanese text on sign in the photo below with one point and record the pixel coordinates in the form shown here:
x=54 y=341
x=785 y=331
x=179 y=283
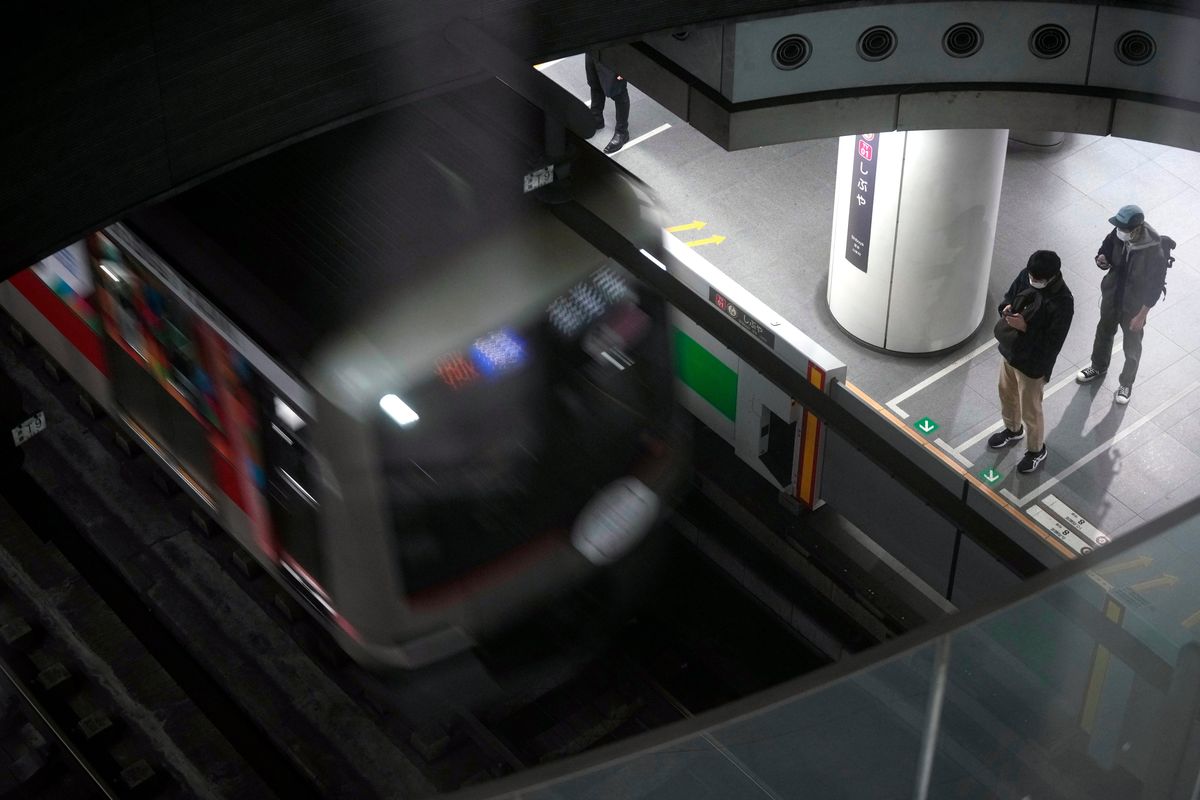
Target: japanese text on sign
x=862 y=200
x=739 y=315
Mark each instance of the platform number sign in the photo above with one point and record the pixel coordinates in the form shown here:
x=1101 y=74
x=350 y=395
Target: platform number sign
x=862 y=199
x=29 y=428
x=539 y=178
x=739 y=315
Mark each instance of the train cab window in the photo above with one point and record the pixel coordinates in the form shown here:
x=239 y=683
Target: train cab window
x=511 y=434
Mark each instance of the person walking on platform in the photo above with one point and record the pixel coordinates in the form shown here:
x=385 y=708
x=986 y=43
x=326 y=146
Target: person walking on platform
x=1132 y=256
x=604 y=82
x=1035 y=316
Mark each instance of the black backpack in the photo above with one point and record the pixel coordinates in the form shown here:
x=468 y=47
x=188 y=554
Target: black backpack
x=1167 y=244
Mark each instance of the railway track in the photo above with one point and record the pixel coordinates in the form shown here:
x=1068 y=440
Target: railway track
x=92 y=707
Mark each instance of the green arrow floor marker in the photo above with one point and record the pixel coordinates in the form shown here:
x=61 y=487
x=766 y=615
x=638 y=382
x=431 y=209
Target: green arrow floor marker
x=925 y=425
x=991 y=476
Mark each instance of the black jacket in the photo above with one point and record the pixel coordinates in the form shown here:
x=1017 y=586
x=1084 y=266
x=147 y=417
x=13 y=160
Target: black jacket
x=1034 y=351
x=1136 y=275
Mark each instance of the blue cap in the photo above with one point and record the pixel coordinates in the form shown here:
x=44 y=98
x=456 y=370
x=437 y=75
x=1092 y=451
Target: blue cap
x=1128 y=218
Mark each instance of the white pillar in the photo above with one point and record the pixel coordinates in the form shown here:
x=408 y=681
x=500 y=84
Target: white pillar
x=913 y=227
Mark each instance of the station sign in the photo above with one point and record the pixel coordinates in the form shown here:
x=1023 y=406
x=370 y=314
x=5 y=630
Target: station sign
x=739 y=315
x=862 y=199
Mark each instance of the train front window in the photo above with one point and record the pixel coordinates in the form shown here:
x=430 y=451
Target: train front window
x=511 y=434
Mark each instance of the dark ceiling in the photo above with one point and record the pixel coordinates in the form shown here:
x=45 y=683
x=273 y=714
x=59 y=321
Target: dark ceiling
x=111 y=104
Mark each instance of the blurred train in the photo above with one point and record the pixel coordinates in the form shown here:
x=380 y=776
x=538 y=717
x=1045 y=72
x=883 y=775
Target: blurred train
x=424 y=403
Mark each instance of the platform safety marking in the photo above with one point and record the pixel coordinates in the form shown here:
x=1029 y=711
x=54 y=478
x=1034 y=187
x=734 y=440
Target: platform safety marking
x=991 y=476
x=926 y=425
x=950 y=451
x=1061 y=531
x=642 y=138
x=1104 y=447
x=1066 y=379
x=1141 y=562
x=1076 y=520
x=1115 y=612
x=1163 y=581
x=893 y=404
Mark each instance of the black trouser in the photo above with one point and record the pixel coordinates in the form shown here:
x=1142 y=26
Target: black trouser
x=620 y=96
x=1106 y=331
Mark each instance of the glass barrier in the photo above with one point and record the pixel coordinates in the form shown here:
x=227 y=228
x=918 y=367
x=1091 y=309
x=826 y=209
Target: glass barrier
x=1087 y=687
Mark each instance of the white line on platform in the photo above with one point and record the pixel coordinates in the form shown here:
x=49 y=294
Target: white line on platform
x=942 y=443
x=893 y=404
x=546 y=64
x=1070 y=376
x=1060 y=477
x=643 y=137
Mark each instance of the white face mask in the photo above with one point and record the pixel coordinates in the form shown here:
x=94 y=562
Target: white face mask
x=1124 y=236
x=1038 y=284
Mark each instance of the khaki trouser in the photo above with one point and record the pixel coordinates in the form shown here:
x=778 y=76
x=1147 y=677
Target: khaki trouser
x=1021 y=399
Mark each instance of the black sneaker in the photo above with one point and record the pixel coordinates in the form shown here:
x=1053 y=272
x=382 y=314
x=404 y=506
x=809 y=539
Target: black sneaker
x=1005 y=438
x=1032 y=461
x=1122 y=396
x=1088 y=374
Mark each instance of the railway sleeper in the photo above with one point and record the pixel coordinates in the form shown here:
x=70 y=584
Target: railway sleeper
x=18 y=333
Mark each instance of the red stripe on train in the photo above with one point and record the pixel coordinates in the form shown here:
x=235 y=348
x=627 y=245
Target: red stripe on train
x=58 y=314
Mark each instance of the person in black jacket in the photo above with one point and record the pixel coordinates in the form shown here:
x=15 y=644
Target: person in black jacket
x=1036 y=313
x=1132 y=256
x=604 y=82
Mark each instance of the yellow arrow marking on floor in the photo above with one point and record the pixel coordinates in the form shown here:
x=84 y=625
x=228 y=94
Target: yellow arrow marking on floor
x=1138 y=563
x=1191 y=621
x=1115 y=612
x=1163 y=582
x=694 y=225
x=708 y=240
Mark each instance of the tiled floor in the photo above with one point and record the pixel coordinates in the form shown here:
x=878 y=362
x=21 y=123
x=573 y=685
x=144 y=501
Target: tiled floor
x=1116 y=466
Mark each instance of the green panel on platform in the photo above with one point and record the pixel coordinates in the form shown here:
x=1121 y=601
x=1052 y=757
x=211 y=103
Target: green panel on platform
x=706 y=374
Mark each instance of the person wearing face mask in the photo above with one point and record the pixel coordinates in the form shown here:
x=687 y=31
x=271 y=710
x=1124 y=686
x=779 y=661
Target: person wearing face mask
x=1035 y=316
x=1132 y=256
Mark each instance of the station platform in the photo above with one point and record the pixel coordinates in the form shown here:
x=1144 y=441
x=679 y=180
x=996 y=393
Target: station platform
x=764 y=218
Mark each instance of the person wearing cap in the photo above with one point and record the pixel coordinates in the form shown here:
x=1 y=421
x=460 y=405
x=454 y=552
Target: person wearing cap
x=1131 y=255
x=1035 y=317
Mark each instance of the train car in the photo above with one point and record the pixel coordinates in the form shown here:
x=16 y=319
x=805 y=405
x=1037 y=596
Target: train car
x=424 y=403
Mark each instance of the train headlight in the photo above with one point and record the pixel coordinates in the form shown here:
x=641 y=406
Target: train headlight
x=398 y=410
x=615 y=520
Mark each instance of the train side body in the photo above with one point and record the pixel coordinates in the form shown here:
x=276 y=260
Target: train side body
x=424 y=440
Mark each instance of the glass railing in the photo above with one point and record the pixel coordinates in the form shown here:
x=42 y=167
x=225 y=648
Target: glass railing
x=1084 y=684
